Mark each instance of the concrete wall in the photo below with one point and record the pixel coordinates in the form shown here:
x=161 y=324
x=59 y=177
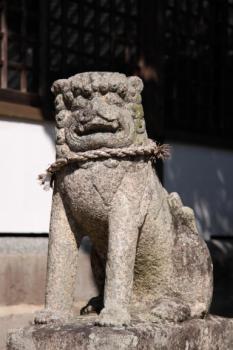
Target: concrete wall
x=26 y=149
x=23 y=263
x=22 y=270
x=203 y=177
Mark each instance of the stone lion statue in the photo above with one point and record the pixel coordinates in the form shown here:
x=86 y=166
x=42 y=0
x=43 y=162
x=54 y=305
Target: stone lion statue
x=147 y=257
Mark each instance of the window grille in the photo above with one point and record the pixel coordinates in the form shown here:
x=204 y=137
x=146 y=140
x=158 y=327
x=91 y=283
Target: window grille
x=198 y=69
x=91 y=35
x=19 y=45
x=45 y=40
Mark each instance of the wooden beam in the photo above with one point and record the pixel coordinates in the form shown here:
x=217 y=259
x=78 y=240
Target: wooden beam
x=15 y=96
x=15 y=110
x=3 y=46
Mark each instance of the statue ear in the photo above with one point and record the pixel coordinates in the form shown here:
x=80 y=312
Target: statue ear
x=137 y=110
x=140 y=126
x=63 y=118
x=60 y=136
x=135 y=83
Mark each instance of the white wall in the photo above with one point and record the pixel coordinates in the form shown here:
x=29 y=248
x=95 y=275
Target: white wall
x=26 y=149
x=203 y=177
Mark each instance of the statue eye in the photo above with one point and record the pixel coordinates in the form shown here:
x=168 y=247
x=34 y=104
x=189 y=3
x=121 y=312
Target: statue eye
x=63 y=118
x=140 y=126
x=87 y=91
x=114 y=99
x=80 y=102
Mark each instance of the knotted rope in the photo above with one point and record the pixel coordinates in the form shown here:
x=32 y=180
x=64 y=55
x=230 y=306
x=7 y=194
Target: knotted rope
x=150 y=151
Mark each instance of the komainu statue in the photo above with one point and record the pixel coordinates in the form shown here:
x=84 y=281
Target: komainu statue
x=148 y=259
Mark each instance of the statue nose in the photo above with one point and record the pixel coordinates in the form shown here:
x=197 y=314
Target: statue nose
x=104 y=111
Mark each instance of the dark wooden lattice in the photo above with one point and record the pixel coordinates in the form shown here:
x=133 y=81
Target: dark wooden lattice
x=198 y=68
x=44 y=40
x=91 y=35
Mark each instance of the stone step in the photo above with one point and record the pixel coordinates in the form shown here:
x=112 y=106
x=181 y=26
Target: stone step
x=22 y=315
x=15 y=316
x=213 y=333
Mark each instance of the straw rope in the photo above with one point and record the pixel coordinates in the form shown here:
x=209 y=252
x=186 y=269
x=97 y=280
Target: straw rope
x=151 y=151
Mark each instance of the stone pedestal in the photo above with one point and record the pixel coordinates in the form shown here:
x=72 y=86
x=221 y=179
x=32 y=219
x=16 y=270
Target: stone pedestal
x=213 y=333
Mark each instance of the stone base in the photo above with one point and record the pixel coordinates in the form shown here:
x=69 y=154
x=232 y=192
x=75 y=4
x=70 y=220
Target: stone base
x=213 y=333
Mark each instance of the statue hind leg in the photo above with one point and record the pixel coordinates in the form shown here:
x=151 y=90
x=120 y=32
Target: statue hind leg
x=172 y=265
x=191 y=259
x=191 y=281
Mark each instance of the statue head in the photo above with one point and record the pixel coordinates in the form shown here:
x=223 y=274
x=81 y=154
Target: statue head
x=98 y=109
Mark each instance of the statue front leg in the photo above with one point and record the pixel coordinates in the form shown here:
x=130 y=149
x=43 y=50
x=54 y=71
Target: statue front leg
x=61 y=267
x=123 y=236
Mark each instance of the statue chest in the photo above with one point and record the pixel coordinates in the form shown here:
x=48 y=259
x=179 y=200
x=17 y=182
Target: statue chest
x=89 y=189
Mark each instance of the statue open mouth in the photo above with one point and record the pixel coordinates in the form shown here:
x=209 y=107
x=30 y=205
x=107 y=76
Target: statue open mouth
x=97 y=127
x=99 y=133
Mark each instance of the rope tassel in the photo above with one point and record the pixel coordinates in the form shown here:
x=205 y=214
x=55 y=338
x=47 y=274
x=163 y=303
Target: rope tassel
x=45 y=180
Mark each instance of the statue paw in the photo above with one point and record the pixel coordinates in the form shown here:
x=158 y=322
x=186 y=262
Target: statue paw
x=48 y=316
x=113 y=317
x=170 y=309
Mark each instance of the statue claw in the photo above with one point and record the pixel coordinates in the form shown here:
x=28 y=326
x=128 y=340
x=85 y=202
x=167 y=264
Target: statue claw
x=48 y=316
x=113 y=317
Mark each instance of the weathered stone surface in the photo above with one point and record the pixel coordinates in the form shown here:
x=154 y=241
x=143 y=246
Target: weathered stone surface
x=213 y=333
x=147 y=256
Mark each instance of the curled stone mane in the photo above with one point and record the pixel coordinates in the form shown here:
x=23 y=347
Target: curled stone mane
x=85 y=84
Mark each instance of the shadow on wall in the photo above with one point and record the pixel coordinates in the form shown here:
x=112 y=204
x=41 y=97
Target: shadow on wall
x=222 y=256
x=49 y=129
x=203 y=178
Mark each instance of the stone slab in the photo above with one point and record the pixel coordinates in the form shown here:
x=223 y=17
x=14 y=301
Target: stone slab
x=214 y=333
x=22 y=315
x=15 y=316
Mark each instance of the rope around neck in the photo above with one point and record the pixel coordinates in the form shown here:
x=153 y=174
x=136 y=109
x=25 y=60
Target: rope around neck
x=150 y=151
